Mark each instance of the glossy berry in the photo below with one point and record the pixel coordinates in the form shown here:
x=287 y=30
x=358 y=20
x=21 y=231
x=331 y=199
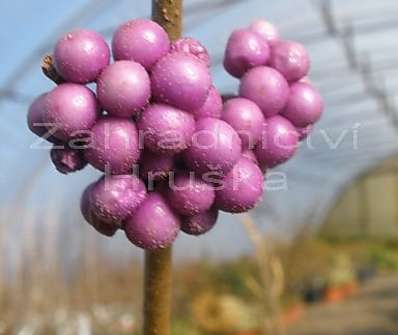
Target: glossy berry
x=304 y=106
x=153 y=224
x=181 y=80
x=199 y=224
x=242 y=187
x=72 y=109
x=279 y=142
x=123 y=88
x=267 y=88
x=245 y=50
x=212 y=106
x=81 y=55
x=165 y=129
x=246 y=118
x=114 y=145
x=249 y=154
x=266 y=30
x=142 y=41
x=216 y=146
x=155 y=167
x=67 y=160
x=114 y=198
x=193 y=47
x=104 y=228
x=189 y=195
x=291 y=59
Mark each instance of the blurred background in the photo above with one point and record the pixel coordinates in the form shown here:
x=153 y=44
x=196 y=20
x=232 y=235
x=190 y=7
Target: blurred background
x=318 y=256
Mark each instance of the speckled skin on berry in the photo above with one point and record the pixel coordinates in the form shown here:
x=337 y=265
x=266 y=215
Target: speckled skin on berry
x=143 y=41
x=291 y=59
x=304 y=106
x=114 y=145
x=212 y=106
x=189 y=195
x=193 y=47
x=242 y=188
x=245 y=50
x=216 y=146
x=114 y=198
x=180 y=80
x=153 y=224
x=279 y=142
x=199 y=224
x=67 y=160
x=124 y=88
x=267 y=88
x=71 y=108
x=81 y=55
x=165 y=129
x=246 y=118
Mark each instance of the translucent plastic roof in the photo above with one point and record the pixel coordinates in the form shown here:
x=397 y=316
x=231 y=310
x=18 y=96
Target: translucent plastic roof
x=354 y=53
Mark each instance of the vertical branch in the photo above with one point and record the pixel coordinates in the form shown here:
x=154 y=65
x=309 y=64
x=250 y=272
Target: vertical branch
x=158 y=263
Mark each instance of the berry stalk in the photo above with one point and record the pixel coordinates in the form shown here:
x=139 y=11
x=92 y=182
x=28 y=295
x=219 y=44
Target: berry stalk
x=158 y=263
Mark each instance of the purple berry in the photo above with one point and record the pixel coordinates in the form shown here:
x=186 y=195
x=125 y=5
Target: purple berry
x=216 y=146
x=267 y=88
x=193 y=47
x=123 y=88
x=114 y=145
x=143 y=41
x=249 y=154
x=242 y=187
x=266 y=30
x=291 y=59
x=181 y=80
x=199 y=224
x=245 y=50
x=304 y=132
x=114 y=198
x=304 y=106
x=153 y=224
x=155 y=167
x=105 y=228
x=212 y=106
x=81 y=55
x=67 y=160
x=246 y=118
x=71 y=109
x=279 y=142
x=165 y=129
x=189 y=195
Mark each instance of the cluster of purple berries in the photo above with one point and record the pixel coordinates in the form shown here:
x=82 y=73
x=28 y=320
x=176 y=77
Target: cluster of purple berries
x=173 y=154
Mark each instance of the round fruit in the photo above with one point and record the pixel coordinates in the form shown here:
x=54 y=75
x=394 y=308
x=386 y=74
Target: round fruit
x=181 y=80
x=143 y=41
x=199 y=224
x=212 y=106
x=291 y=59
x=216 y=146
x=123 y=88
x=266 y=30
x=155 y=167
x=81 y=55
x=70 y=109
x=193 y=47
x=189 y=195
x=304 y=106
x=99 y=225
x=165 y=129
x=114 y=145
x=249 y=154
x=245 y=50
x=242 y=187
x=279 y=142
x=153 y=224
x=114 y=198
x=246 y=118
x=67 y=160
x=267 y=88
